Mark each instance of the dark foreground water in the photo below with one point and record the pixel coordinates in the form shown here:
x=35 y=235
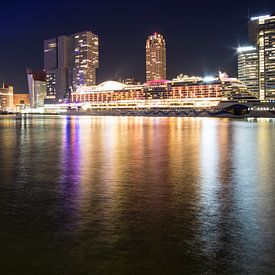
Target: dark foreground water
x=133 y=195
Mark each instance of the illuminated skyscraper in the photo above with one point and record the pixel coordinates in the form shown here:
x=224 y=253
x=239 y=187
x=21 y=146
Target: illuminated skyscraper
x=50 y=66
x=262 y=33
x=85 y=59
x=70 y=62
x=155 y=57
x=248 y=68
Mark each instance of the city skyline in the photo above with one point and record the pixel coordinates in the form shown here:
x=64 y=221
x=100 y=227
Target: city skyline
x=187 y=52
x=137 y=137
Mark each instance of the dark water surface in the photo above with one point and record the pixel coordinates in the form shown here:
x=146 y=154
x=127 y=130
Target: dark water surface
x=133 y=195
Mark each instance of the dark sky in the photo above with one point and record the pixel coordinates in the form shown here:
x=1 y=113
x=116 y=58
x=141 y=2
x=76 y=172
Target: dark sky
x=201 y=36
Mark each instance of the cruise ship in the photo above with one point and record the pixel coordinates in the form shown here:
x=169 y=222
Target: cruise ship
x=220 y=96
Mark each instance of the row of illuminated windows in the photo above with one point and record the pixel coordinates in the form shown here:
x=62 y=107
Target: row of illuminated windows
x=99 y=97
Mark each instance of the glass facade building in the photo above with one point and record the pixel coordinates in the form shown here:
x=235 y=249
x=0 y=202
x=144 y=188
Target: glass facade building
x=70 y=62
x=37 y=88
x=248 y=68
x=262 y=33
x=85 y=59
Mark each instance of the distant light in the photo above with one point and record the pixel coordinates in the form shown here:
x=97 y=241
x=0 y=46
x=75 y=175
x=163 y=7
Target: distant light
x=260 y=17
x=246 y=49
x=209 y=79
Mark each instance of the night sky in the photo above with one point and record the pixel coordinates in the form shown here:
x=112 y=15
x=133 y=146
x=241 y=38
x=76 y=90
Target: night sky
x=201 y=36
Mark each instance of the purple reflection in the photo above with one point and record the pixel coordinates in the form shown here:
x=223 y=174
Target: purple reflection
x=69 y=182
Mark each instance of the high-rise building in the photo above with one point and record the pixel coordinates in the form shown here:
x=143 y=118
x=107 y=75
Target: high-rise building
x=262 y=33
x=37 y=88
x=70 y=62
x=63 y=66
x=50 y=66
x=248 y=68
x=85 y=59
x=155 y=57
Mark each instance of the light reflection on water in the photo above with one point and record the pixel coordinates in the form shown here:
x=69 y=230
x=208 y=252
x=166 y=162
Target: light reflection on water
x=137 y=195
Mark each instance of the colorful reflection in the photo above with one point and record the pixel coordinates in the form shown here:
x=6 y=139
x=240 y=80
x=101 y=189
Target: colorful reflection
x=183 y=194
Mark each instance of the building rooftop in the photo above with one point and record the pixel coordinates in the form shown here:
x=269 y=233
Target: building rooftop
x=246 y=49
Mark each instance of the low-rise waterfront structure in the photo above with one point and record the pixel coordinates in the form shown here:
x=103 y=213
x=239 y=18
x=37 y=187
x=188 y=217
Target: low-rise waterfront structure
x=6 y=98
x=21 y=102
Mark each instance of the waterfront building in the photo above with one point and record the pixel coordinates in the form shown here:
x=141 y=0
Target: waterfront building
x=21 y=102
x=70 y=62
x=37 y=88
x=155 y=57
x=262 y=33
x=6 y=98
x=248 y=68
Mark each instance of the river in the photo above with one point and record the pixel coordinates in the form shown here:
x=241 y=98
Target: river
x=136 y=195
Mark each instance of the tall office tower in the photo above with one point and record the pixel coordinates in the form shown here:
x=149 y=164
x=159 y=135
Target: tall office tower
x=155 y=57
x=69 y=62
x=37 y=88
x=262 y=33
x=63 y=67
x=50 y=66
x=85 y=59
x=248 y=68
